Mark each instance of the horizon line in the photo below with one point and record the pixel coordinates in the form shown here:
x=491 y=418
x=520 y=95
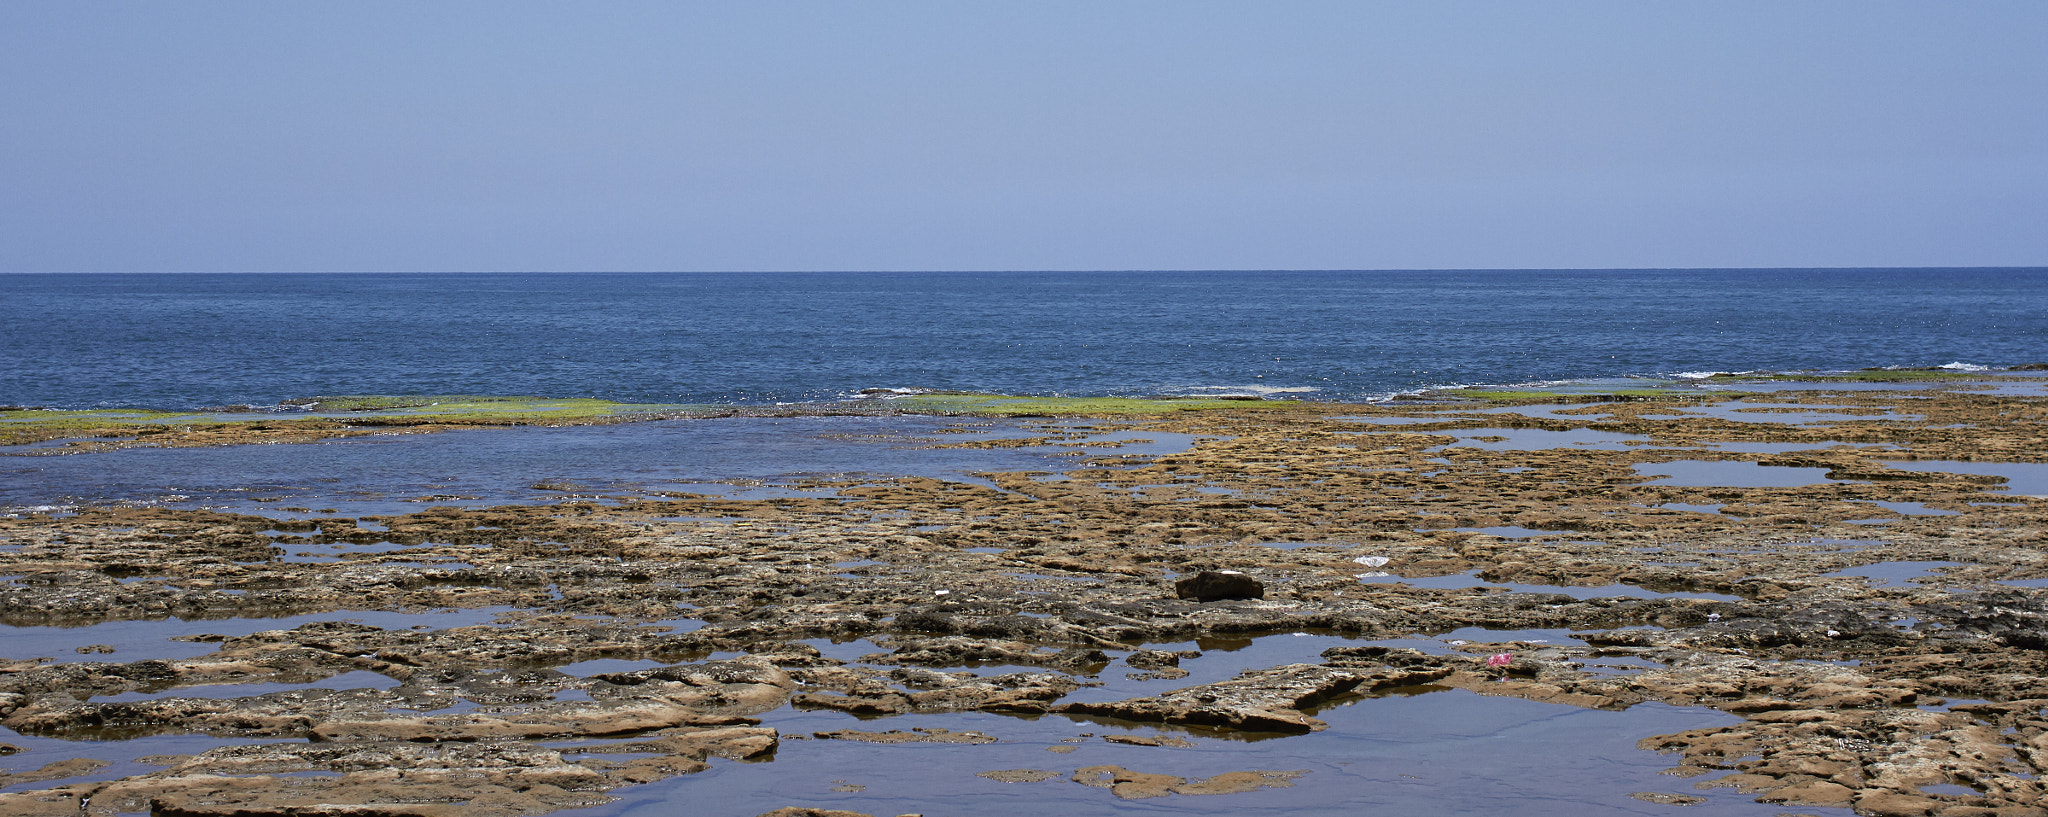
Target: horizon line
x=1027 y=270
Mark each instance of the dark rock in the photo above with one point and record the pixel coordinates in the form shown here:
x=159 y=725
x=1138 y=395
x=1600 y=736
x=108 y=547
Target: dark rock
x=1210 y=585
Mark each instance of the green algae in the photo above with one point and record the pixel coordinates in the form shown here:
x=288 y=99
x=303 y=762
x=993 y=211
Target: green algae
x=324 y=416
x=477 y=408
x=24 y=426
x=335 y=415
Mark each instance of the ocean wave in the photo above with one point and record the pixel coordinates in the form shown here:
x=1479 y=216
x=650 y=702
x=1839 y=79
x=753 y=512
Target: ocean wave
x=15 y=511
x=1249 y=391
x=1965 y=367
x=883 y=394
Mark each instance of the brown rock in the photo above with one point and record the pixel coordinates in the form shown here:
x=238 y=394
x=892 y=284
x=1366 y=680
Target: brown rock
x=1260 y=701
x=1235 y=782
x=1745 y=783
x=1812 y=793
x=1212 y=585
x=54 y=770
x=1882 y=803
x=1127 y=784
x=174 y=805
x=41 y=804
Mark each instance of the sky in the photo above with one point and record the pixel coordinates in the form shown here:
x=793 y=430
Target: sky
x=1180 y=134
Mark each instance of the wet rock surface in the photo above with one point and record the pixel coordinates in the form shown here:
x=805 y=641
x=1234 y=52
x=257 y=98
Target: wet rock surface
x=623 y=642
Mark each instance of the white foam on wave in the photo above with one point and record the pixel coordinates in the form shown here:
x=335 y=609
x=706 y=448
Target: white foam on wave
x=16 y=512
x=1966 y=367
x=884 y=394
x=1223 y=391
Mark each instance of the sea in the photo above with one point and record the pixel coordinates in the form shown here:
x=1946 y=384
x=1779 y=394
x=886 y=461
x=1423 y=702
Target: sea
x=187 y=341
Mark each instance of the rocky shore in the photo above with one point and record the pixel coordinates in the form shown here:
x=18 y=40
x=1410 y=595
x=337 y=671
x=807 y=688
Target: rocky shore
x=1881 y=632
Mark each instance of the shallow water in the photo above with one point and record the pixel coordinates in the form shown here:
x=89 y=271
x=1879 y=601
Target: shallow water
x=1553 y=412
x=121 y=755
x=1515 y=532
x=1798 y=414
x=2014 y=383
x=737 y=457
x=1895 y=574
x=147 y=640
x=1536 y=439
x=1731 y=474
x=1913 y=509
x=2021 y=478
x=1300 y=545
x=1418 y=751
x=1786 y=448
x=1682 y=506
x=1449 y=752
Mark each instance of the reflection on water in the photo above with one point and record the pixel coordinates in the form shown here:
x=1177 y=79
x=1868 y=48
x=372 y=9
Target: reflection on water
x=1786 y=448
x=1894 y=574
x=1424 y=750
x=1514 y=531
x=1448 y=752
x=1684 y=506
x=147 y=640
x=1536 y=439
x=2021 y=478
x=1731 y=474
x=120 y=755
x=1797 y=414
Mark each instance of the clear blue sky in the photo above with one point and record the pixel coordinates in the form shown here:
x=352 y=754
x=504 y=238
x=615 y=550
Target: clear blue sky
x=289 y=136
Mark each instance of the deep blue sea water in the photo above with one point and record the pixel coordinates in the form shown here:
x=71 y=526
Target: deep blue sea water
x=185 y=340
